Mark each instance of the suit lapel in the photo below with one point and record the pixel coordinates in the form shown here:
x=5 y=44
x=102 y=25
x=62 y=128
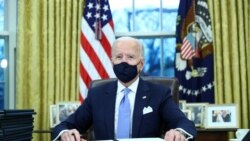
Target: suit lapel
x=141 y=100
x=110 y=108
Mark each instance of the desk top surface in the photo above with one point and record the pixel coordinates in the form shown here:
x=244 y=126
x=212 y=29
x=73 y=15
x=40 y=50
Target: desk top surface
x=216 y=129
x=137 y=139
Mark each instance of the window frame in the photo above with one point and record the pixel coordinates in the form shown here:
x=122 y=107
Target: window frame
x=144 y=35
x=9 y=35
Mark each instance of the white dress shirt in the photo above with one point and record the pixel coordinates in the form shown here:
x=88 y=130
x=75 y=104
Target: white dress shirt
x=131 y=96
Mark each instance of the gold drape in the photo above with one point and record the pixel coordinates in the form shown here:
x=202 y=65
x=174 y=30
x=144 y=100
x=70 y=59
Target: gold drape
x=47 y=56
x=231 y=24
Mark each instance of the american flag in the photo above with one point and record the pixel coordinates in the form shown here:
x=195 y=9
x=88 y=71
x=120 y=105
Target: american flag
x=97 y=36
x=187 y=49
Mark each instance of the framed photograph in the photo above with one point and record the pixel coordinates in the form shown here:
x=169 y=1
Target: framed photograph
x=53 y=115
x=182 y=104
x=197 y=113
x=65 y=109
x=222 y=116
x=187 y=113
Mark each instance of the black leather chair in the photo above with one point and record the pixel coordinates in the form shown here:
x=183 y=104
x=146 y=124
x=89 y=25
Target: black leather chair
x=172 y=83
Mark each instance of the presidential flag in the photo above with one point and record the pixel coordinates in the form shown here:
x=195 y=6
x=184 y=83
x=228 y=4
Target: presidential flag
x=97 y=35
x=194 y=52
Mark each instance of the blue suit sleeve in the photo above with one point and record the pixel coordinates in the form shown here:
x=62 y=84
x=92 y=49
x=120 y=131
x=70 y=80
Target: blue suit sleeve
x=174 y=117
x=81 y=119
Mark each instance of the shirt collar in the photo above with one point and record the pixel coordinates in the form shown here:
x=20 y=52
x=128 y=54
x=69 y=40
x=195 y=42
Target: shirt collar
x=132 y=87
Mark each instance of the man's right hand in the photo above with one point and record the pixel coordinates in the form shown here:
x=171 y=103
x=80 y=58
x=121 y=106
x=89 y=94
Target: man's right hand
x=71 y=135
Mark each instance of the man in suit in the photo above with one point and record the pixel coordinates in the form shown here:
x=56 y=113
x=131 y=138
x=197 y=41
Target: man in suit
x=150 y=106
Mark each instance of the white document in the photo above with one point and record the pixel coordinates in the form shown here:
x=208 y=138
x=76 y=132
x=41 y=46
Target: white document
x=137 y=139
x=142 y=139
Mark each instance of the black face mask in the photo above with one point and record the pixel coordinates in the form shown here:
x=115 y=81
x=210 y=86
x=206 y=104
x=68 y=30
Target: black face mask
x=125 y=72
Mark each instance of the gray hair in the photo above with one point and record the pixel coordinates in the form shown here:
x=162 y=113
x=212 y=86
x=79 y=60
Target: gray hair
x=141 y=49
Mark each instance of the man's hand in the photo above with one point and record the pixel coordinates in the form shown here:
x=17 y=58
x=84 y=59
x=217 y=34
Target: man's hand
x=71 y=135
x=174 y=135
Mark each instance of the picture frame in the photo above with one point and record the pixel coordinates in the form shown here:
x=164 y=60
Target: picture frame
x=197 y=113
x=222 y=116
x=182 y=104
x=53 y=116
x=64 y=109
x=187 y=113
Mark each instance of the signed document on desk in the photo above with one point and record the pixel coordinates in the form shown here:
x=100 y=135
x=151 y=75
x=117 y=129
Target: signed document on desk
x=137 y=139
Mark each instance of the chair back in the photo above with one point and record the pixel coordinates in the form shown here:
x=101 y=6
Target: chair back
x=171 y=83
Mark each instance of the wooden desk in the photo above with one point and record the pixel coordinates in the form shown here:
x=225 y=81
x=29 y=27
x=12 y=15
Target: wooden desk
x=202 y=134
x=43 y=132
x=213 y=134
x=85 y=136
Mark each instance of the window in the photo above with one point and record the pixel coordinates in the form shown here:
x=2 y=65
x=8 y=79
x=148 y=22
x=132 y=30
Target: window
x=153 y=22
x=2 y=55
x=7 y=46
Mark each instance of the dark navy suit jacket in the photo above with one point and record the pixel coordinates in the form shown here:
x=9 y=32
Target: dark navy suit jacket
x=98 y=110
